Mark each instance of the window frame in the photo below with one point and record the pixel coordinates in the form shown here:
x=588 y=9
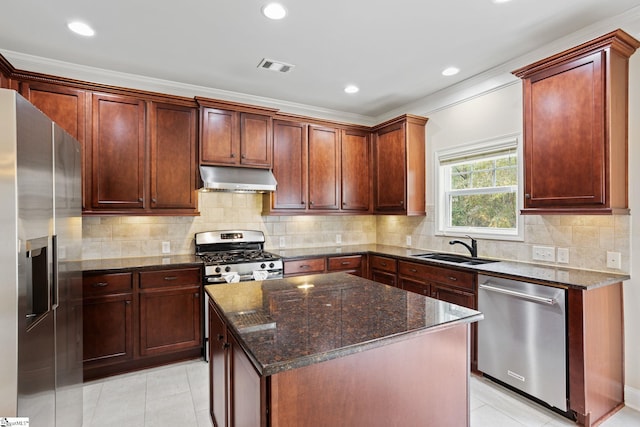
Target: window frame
x=477 y=149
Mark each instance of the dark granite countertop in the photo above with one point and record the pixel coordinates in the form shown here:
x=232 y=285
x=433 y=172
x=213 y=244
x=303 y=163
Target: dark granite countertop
x=289 y=323
x=549 y=274
x=111 y=264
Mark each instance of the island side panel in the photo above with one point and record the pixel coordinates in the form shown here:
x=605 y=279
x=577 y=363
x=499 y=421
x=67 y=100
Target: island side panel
x=423 y=380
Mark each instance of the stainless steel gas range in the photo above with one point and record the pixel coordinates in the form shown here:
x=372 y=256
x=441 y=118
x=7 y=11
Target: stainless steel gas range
x=234 y=256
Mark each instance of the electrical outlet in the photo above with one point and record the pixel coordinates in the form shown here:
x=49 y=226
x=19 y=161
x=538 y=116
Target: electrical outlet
x=408 y=240
x=282 y=242
x=563 y=255
x=166 y=247
x=614 y=260
x=544 y=253
x=338 y=238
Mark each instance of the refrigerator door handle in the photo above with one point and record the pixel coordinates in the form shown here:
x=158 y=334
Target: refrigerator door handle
x=54 y=281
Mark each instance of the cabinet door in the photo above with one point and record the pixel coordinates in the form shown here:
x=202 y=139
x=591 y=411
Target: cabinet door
x=107 y=329
x=384 y=277
x=173 y=157
x=65 y=106
x=452 y=295
x=414 y=285
x=117 y=152
x=219 y=139
x=355 y=165
x=324 y=168
x=565 y=135
x=217 y=369
x=244 y=388
x=390 y=169
x=255 y=140
x=290 y=165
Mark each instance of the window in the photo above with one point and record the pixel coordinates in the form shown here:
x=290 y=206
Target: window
x=478 y=190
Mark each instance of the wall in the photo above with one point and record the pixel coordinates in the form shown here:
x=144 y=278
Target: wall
x=113 y=237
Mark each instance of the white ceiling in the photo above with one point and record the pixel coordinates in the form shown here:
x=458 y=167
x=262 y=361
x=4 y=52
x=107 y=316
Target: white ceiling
x=393 y=50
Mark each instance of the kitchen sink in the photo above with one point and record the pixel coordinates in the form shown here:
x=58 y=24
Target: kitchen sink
x=458 y=259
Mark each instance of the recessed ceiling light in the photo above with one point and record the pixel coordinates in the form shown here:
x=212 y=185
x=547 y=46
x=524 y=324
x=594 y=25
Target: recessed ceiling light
x=274 y=11
x=451 y=71
x=81 y=28
x=351 y=89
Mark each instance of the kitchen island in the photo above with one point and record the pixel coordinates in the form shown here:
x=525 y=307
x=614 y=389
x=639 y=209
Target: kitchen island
x=336 y=349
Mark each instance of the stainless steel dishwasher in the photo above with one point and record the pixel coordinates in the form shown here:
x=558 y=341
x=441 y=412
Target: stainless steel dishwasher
x=522 y=339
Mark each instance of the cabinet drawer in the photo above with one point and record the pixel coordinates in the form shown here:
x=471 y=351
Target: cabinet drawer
x=172 y=277
x=383 y=263
x=460 y=279
x=413 y=269
x=344 y=262
x=304 y=266
x=96 y=284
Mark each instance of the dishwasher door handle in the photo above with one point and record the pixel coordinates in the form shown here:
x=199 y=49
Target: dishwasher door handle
x=543 y=300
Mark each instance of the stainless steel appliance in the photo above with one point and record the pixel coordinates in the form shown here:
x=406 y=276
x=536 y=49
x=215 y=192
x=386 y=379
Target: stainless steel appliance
x=522 y=339
x=234 y=256
x=41 y=290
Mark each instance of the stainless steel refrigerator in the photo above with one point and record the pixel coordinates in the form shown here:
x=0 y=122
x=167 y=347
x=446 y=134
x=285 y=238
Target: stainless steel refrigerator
x=40 y=282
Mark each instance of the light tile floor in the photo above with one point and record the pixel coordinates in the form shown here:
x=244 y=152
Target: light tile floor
x=177 y=395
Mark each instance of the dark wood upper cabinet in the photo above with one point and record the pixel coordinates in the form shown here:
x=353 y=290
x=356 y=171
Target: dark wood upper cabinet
x=575 y=128
x=289 y=167
x=64 y=105
x=399 y=166
x=324 y=168
x=235 y=134
x=117 y=152
x=355 y=164
x=173 y=157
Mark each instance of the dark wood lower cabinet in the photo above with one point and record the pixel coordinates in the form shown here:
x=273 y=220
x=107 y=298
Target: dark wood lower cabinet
x=140 y=318
x=108 y=329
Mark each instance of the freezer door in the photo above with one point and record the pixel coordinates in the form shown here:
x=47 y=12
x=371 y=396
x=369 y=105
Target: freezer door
x=67 y=278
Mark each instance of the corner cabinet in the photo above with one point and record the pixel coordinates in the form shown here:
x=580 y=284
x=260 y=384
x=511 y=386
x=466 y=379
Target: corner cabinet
x=235 y=134
x=575 y=128
x=399 y=166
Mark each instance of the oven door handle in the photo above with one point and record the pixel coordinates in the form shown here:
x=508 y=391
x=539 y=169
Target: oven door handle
x=549 y=301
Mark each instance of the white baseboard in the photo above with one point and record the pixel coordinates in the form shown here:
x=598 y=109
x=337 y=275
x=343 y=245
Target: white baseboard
x=632 y=397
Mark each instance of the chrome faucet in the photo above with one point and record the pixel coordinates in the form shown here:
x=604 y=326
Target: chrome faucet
x=473 y=248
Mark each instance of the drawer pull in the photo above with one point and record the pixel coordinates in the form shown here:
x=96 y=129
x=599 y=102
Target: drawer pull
x=413 y=270
x=346 y=263
x=305 y=266
x=453 y=279
x=99 y=284
x=384 y=264
x=170 y=278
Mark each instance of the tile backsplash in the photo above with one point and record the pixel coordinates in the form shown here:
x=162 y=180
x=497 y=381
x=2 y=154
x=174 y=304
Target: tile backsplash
x=588 y=238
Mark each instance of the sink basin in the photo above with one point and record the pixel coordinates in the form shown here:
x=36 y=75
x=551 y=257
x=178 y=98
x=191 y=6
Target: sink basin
x=458 y=259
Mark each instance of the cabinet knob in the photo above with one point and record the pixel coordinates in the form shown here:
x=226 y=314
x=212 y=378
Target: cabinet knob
x=401 y=202
x=233 y=155
x=127 y=302
x=244 y=156
x=527 y=196
x=140 y=199
x=344 y=203
x=196 y=295
x=220 y=337
x=226 y=345
x=311 y=203
x=154 y=200
x=302 y=202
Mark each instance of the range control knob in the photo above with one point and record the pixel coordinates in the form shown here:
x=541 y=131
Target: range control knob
x=271 y=265
x=227 y=269
x=263 y=265
x=217 y=269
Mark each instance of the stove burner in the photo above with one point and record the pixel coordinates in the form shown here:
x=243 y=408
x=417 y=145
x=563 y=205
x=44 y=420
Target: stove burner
x=223 y=257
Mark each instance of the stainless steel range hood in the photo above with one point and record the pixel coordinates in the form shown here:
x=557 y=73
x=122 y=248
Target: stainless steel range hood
x=239 y=180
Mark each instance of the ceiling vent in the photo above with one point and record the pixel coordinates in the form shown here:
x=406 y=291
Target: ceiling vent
x=272 y=65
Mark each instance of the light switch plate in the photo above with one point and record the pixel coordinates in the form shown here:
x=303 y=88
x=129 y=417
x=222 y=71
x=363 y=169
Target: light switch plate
x=282 y=242
x=408 y=240
x=338 y=238
x=563 y=255
x=166 y=247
